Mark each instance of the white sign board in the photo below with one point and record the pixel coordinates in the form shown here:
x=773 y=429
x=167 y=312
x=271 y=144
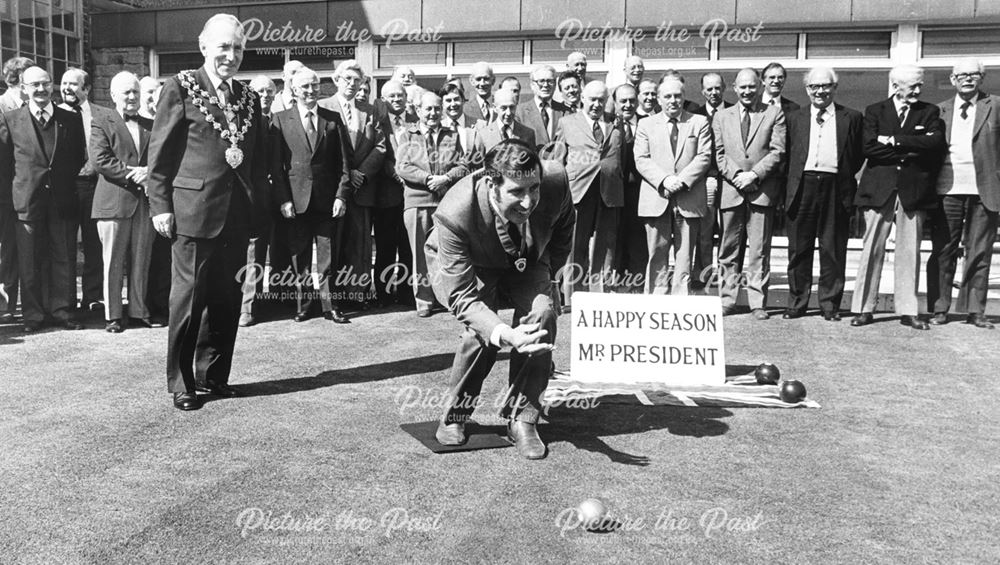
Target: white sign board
x=641 y=338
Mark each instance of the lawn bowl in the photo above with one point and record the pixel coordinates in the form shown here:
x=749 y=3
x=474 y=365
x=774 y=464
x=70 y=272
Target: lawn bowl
x=792 y=392
x=592 y=514
x=767 y=374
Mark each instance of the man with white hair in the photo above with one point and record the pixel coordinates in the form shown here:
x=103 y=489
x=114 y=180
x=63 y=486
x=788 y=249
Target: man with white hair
x=12 y=99
x=542 y=113
x=903 y=141
x=480 y=105
x=577 y=62
x=286 y=99
x=121 y=208
x=207 y=192
x=968 y=191
x=405 y=75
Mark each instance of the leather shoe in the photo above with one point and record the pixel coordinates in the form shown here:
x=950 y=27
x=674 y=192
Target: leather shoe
x=95 y=306
x=113 y=327
x=301 y=317
x=760 y=314
x=142 y=322
x=425 y=313
x=32 y=327
x=831 y=316
x=524 y=435
x=246 y=320
x=6 y=318
x=914 y=322
x=157 y=322
x=939 y=319
x=71 y=325
x=862 y=319
x=451 y=434
x=792 y=314
x=336 y=316
x=218 y=389
x=186 y=401
x=980 y=321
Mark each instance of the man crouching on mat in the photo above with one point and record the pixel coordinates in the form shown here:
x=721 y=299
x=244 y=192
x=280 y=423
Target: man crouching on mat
x=503 y=230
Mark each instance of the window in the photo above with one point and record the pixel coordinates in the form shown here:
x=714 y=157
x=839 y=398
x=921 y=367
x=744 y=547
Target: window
x=680 y=46
x=848 y=45
x=173 y=63
x=43 y=30
x=955 y=43
x=767 y=46
x=469 y=52
x=555 y=51
x=411 y=54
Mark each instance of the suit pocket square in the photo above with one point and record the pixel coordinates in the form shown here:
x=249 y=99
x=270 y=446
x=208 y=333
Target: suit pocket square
x=919 y=128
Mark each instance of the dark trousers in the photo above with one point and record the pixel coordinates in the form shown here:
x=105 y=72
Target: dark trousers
x=954 y=214
x=253 y=278
x=392 y=249
x=593 y=269
x=204 y=307
x=631 y=255
x=47 y=264
x=531 y=294
x=817 y=213
x=326 y=232
x=280 y=258
x=158 y=289
x=92 y=277
x=356 y=257
x=8 y=259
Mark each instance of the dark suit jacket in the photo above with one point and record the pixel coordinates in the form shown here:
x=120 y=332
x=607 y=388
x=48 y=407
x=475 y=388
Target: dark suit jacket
x=390 y=193
x=911 y=165
x=111 y=150
x=586 y=161
x=89 y=169
x=465 y=243
x=307 y=177
x=849 y=154
x=632 y=176
x=528 y=114
x=28 y=180
x=414 y=165
x=188 y=172
x=985 y=145
x=702 y=110
x=365 y=153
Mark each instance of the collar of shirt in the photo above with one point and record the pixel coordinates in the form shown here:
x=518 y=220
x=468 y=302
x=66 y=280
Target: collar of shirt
x=49 y=110
x=216 y=81
x=524 y=229
x=899 y=105
x=424 y=129
x=958 y=105
x=123 y=116
x=302 y=111
x=766 y=98
x=345 y=102
x=744 y=110
x=538 y=103
x=590 y=123
x=448 y=122
x=814 y=111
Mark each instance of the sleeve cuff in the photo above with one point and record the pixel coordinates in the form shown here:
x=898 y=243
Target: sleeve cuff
x=497 y=331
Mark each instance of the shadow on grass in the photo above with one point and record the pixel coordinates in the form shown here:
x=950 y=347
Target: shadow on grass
x=355 y=375
x=585 y=428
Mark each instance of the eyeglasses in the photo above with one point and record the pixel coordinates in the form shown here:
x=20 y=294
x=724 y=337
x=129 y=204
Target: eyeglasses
x=545 y=81
x=38 y=84
x=824 y=86
x=351 y=80
x=965 y=76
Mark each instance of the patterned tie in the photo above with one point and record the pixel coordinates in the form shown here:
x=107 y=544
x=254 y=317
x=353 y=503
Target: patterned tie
x=223 y=92
x=819 y=117
x=628 y=131
x=902 y=114
x=965 y=110
x=505 y=133
x=745 y=124
x=43 y=117
x=432 y=151
x=544 y=108
x=310 y=130
x=486 y=112
x=598 y=134
x=348 y=116
x=672 y=127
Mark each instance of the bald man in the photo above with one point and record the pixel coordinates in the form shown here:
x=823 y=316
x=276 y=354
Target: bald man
x=480 y=105
x=286 y=98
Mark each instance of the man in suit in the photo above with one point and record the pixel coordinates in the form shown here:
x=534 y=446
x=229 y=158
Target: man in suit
x=903 y=139
x=365 y=148
x=513 y=85
x=688 y=105
x=505 y=230
x=13 y=98
x=286 y=98
x=634 y=71
x=593 y=161
x=310 y=169
x=392 y=249
x=75 y=88
x=631 y=255
x=541 y=113
x=648 y=104
x=480 y=107
x=673 y=151
x=453 y=106
x=121 y=208
x=257 y=249
x=824 y=155
x=749 y=150
x=712 y=89
x=570 y=88
x=503 y=128
x=429 y=160
x=206 y=192
x=968 y=191
x=774 y=76
x=42 y=148
x=158 y=280
x=149 y=89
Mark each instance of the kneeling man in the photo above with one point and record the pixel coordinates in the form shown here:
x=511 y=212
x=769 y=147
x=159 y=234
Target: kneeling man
x=505 y=229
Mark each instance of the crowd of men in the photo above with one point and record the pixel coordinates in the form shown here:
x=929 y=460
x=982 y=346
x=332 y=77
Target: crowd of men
x=656 y=179
x=189 y=188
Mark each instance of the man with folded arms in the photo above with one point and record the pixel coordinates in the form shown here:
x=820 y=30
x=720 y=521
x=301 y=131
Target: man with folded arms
x=504 y=230
x=121 y=208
